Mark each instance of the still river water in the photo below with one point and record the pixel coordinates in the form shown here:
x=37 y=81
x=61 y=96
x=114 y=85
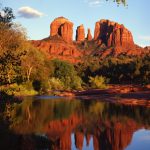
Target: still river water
x=47 y=123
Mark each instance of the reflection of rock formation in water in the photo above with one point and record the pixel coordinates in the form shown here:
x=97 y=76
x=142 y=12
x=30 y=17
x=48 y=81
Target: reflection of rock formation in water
x=112 y=136
x=116 y=136
x=59 y=131
x=106 y=126
x=88 y=137
x=79 y=138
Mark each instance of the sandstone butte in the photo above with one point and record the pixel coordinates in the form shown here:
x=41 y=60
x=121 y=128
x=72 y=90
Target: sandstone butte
x=80 y=33
x=110 y=39
x=89 y=35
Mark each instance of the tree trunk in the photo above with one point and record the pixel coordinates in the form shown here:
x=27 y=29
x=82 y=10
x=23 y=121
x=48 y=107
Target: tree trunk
x=29 y=73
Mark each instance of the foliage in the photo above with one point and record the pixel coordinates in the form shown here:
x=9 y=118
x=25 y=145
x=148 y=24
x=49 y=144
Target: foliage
x=34 y=114
x=98 y=82
x=19 y=90
x=56 y=84
x=33 y=64
x=124 y=2
x=67 y=74
x=12 y=48
x=39 y=112
x=121 y=69
x=22 y=64
x=6 y=15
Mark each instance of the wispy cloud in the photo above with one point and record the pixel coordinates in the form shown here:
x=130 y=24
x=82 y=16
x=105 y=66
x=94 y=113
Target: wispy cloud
x=144 y=38
x=94 y=3
x=29 y=13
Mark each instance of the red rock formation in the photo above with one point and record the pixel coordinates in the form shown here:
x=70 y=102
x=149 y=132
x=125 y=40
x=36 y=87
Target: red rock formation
x=117 y=39
x=62 y=27
x=79 y=138
x=117 y=135
x=118 y=50
x=147 y=47
x=56 y=48
x=80 y=33
x=113 y=34
x=88 y=138
x=97 y=31
x=60 y=131
x=121 y=37
x=89 y=36
x=110 y=39
x=96 y=143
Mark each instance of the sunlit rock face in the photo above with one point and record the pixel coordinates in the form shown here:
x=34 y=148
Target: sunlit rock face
x=147 y=47
x=113 y=34
x=79 y=138
x=117 y=39
x=89 y=35
x=57 y=48
x=110 y=39
x=62 y=27
x=60 y=43
x=80 y=33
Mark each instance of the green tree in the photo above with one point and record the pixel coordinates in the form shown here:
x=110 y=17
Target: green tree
x=124 y=2
x=67 y=74
x=6 y=15
x=31 y=63
x=12 y=41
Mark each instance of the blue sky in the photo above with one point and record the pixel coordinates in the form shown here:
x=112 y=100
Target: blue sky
x=136 y=17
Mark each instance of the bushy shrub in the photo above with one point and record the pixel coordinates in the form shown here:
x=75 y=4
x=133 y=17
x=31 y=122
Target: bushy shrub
x=15 y=89
x=76 y=83
x=98 y=82
x=56 y=84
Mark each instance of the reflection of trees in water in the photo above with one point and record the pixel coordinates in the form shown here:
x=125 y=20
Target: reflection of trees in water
x=110 y=125
x=40 y=112
x=34 y=114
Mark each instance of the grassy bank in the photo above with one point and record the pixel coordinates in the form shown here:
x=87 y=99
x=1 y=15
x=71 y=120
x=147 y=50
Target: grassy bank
x=25 y=89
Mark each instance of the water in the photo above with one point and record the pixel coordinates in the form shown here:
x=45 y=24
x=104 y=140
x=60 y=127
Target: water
x=48 y=123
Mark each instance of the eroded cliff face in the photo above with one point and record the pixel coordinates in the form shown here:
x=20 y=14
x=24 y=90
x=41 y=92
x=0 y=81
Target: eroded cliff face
x=110 y=39
x=89 y=35
x=62 y=27
x=57 y=48
x=80 y=33
x=113 y=34
x=118 y=40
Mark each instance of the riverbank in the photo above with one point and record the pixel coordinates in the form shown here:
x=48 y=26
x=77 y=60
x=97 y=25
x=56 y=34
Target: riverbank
x=112 y=93
x=127 y=94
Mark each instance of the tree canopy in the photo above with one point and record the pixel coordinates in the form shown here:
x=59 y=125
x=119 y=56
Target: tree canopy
x=6 y=15
x=124 y=2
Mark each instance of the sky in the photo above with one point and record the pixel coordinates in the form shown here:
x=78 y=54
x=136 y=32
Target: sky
x=36 y=15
